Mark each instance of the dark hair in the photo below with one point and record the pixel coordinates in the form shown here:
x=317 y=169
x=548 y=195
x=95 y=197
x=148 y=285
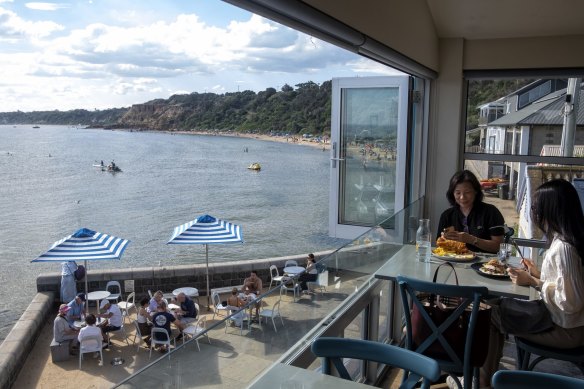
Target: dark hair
x=90 y=319
x=144 y=301
x=556 y=209
x=311 y=256
x=254 y=272
x=459 y=178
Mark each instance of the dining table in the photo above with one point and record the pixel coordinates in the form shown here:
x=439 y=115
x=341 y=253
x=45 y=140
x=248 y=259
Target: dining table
x=294 y=270
x=97 y=296
x=81 y=323
x=187 y=290
x=404 y=263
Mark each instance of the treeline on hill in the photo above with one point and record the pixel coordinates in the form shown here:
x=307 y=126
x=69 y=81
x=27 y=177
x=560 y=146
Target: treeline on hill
x=304 y=109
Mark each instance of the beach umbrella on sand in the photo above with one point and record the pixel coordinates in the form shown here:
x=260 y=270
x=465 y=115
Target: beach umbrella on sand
x=206 y=230
x=85 y=245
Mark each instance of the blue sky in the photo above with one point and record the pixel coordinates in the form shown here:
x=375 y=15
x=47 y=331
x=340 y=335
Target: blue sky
x=101 y=54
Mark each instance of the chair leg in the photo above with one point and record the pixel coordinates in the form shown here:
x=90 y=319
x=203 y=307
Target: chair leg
x=274 y=323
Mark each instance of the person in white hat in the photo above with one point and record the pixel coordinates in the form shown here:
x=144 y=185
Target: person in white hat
x=114 y=318
x=61 y=329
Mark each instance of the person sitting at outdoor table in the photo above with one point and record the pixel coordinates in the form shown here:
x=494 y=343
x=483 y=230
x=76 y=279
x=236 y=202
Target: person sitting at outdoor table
x=114 y=318
x=557 y=211
x=143 y=318
x=154 y=301
x=77 y=306
x=62 y=331
x=236 y=301
x=309 y=275
x=162 y=319
x=469 y=219
x=188 y=311
x=253 y=284
x=90 y=329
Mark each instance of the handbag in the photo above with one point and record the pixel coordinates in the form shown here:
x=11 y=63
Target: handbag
x=79 y=273
x=439 y=308
x=524 y=316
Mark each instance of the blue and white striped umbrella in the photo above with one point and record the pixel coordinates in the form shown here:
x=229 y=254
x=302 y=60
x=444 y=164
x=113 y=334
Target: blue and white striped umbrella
x=85 y=245
x=206 y=230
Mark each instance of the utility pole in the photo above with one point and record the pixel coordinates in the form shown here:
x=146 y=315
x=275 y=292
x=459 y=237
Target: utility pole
x=570 y=117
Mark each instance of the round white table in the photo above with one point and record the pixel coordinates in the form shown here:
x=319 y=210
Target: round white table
x=189 y=291
x=81 y=323
x=98 y=295
x=173 y=306
x=294 y=270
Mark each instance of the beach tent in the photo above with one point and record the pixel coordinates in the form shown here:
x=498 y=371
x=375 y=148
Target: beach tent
x=85 y=245
x=206 y=230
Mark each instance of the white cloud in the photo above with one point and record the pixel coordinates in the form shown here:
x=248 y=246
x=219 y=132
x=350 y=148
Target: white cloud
x=14 y=28
x=45 y=6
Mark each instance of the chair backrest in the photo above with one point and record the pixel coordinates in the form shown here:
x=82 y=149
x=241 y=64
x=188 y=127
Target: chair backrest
x=410 y=289
x=290 y=262
x=131 y=298
x=276 y=307
x=215 y=298
x=511 y=379
x=90 y=343
x=113 y=284
x=274 y=271
x=202 y=323
x=333 y=350
x=164 y=338
x=138 y=332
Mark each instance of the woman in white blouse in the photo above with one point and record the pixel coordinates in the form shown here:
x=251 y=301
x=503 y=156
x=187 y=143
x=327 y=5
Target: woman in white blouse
x=558 y=213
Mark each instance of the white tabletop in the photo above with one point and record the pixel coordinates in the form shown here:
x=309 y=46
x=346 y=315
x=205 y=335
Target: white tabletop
x=81 y=323
x=291 y=377
x=293 y=270
x=189 y=291
x=173 y=306
x=404 y=263
x=98 y=295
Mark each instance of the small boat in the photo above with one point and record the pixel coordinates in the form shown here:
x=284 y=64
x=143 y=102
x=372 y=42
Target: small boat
x=255 y=166
x=36 y=126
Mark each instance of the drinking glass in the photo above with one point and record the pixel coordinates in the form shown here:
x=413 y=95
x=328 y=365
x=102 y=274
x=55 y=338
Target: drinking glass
x=504 y=252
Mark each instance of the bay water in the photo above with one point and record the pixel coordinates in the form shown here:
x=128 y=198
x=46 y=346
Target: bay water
x=49 y=188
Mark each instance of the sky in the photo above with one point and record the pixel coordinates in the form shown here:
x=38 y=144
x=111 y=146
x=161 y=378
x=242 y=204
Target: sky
x=101 y=54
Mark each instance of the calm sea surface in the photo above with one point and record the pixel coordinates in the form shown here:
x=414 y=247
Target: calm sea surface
x=49 y=189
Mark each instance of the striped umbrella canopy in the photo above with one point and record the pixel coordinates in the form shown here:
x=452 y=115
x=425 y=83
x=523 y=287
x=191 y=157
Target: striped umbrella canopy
x=85 y=245
x=206 y=230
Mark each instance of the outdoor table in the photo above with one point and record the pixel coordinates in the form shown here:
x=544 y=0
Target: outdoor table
x=173 y=306
x=98 y=295
x=189 y=291
x=294 y=270
x=81 y=323
x=280 y=375
x=404 y=263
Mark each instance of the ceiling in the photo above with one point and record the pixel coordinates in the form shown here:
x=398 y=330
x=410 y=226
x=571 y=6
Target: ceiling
x=491 y=19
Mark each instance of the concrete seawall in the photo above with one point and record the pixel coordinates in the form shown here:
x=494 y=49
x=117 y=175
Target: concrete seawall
x=21 y=339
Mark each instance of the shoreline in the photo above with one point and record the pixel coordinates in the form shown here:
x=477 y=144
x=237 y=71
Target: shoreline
x=296 y=140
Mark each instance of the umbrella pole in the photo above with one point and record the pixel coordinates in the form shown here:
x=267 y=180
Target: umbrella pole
x=86 y=289
x=207 y=260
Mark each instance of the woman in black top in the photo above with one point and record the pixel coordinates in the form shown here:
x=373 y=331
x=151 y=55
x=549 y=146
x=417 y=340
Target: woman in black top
x=470 y=220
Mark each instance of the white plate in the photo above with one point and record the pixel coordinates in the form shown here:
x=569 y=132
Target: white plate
x=453 y=257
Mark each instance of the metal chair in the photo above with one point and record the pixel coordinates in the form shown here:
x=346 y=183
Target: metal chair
x=237 y=314
x=333 y=350
x=217 y=306
x=90 y=344
x=271 y=313
x=165 y=340
x=452 y=364
x=275 y=276
x=193 y=331
x=116 y=291
x=137 y=335
x=525 y=348
x=290 y=283
x=320 y=283
x=130 y=303
x=512 y=379
x=290 y=262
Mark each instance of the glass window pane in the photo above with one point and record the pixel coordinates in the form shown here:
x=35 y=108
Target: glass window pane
x=369 y=145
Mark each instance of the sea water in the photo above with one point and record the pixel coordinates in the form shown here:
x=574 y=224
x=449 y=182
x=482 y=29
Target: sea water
x=50 y=189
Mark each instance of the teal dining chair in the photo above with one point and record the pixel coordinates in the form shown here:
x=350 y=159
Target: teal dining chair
x=513 y=379
x=333 y=350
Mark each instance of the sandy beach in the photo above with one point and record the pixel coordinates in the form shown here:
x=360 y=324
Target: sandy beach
x=297 y=140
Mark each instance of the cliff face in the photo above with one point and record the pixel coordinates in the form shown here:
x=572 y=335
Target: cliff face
x=155 y=116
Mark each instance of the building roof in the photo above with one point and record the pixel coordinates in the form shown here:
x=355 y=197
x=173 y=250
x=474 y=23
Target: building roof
x=545 y=111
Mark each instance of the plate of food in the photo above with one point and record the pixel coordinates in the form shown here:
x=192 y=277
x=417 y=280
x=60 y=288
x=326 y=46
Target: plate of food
x=453 y=251
x=491 y=269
